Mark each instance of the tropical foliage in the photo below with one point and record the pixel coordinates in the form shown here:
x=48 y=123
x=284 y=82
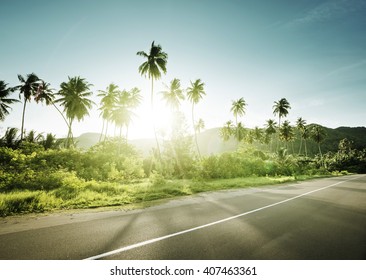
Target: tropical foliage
x=40 y=172
x=5 y=101
x=74 y=99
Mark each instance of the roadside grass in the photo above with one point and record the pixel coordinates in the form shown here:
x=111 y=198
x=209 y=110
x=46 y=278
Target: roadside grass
x=93 y=194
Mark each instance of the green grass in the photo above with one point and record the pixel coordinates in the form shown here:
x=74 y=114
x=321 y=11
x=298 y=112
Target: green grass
x=92 y=194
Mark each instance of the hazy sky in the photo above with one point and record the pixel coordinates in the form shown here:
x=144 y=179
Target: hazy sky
x=313 y=53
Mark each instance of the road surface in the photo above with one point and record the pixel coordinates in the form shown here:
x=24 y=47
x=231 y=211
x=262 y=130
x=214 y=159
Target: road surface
x=316 y=219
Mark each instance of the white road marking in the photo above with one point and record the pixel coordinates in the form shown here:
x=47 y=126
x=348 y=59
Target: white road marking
x=154 y=240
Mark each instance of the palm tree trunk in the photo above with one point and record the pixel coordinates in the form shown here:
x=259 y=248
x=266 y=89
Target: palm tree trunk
x=70 y=137
x=195 y=133
x=101 y=134
x=279 y=126
x=321 y=155
x=106 y=131
x=300 y=145
x=306 y=150
x=23 y=115
x=153 y=116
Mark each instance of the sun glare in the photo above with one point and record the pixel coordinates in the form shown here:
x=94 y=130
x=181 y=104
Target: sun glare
x=142 y=126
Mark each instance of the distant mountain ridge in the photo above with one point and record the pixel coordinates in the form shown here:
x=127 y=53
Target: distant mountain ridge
x=210 y=141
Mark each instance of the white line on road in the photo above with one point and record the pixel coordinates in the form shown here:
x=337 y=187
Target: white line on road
x=140 y=244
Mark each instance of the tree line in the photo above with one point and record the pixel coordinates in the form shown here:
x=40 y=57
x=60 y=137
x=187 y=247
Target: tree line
x=73 y=103
x=117 y=107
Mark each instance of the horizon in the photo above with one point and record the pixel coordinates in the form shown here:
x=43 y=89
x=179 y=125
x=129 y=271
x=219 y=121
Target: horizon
x=313 y=53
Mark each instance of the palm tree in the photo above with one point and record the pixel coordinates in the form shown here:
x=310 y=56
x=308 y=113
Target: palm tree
x=305 y=135
x=28 y=87
x=50 y=141
x=250 y=137
x=155 y=62
x=281 y=108
x=227 y=130
x=318 y=135
x=11 y=138
x=195 y=93
x=238 y=108
x=74 y=98
x=122 y=113
x=45 y=94
x=4 y=100
x=33 y=137
x=173 y=94
x=258 y=134
x=270 y=130
x=107 y=103
x=199 y=125
x=239 y=132
x=300 y=125
x=286 y=132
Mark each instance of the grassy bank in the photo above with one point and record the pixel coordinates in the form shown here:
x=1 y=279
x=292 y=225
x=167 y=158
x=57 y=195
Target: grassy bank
x=79 y=194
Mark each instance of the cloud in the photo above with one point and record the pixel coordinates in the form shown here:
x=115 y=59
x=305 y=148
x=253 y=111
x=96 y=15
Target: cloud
x=346 y=68
x=329 y=10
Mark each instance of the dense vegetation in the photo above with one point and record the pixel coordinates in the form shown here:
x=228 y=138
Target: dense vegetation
x=40 y=173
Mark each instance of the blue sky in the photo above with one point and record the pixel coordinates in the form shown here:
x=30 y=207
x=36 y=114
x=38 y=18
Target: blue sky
x=313 y=53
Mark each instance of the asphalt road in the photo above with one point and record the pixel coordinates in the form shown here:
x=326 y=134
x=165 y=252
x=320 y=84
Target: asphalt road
x=317 y=219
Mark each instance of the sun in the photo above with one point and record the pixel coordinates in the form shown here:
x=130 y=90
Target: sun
x=146 y=119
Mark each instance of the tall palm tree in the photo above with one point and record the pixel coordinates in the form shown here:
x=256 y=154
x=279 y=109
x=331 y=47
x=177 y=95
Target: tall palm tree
x=281 y=108
x=155 y=63
x=300 y=125
x=107 y=103
x=28 y=87
x=173 y=94
x=238 y=108
x=195 y=93
x=5 y=101
x=318 y=135
x=74 y=98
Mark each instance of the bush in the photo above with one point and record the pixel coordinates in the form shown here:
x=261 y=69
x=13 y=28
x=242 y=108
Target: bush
x=25 y=201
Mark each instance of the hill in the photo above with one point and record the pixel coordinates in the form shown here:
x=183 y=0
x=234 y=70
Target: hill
x=210 y=141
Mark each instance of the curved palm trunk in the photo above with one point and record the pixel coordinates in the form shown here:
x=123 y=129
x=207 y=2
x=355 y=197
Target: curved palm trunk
x=67 y=123
x=195 y=133
x=153 y=119
x=23 y=115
